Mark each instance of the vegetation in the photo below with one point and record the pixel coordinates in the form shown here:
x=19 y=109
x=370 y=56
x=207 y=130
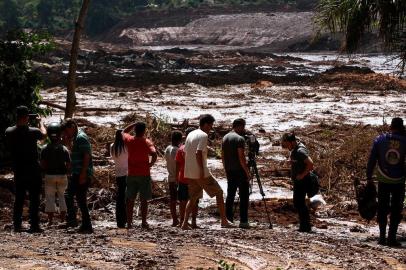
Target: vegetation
x=354 y=18
x=19 y=84
x=57 y=16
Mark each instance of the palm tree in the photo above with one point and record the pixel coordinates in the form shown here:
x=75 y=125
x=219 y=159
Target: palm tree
x=356 y=17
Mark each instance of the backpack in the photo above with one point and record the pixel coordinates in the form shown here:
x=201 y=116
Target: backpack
x=366 y=196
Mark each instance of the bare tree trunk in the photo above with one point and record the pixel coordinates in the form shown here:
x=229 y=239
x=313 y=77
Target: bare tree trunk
x=79 y=26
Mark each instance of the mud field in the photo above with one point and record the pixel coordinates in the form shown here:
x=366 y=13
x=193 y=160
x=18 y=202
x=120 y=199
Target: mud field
x=336 y=104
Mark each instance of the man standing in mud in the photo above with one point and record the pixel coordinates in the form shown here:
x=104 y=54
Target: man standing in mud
x=197 y=172
x=238 y=175
x=389 y=150
x=140 y=149
x=22 y=143
x=82 y=171
x=301 y=166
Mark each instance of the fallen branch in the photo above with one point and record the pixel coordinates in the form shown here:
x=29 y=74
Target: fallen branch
x=53 y=105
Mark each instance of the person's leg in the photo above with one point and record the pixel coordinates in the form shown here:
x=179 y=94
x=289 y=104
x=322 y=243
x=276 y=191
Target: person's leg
x=244 y=193
x=20 y=190
x=145 y=187
x=398 y=197
x=183 y=197
x=232 y=186
x=172 y=203
x=144 y=213
x=35 y=187
x=383 y=210
x=212 y=188
x=130 y=211
x=195 y=211
x=81 y=198
x=50 y=190
x=194 y=190
x=299 y=201
x=71 y=209
x=61 y=189
x=120 y=202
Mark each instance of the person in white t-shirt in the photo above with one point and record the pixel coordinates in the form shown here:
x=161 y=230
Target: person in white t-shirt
x=170 y=155
x=119 y=154
x=198 y=174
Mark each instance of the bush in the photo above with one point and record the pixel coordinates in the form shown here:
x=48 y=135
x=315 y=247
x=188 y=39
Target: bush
x=19 y=84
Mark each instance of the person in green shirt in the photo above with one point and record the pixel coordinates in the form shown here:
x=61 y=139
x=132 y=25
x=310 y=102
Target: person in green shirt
x=82 y=171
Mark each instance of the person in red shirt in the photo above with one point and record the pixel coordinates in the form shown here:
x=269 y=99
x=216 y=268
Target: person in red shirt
x=183 y=183
x=140 y=149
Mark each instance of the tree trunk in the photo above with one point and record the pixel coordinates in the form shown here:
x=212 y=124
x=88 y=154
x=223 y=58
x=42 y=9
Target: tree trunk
x=79 y=26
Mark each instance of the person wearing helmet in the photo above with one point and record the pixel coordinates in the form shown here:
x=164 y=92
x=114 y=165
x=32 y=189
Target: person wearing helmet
x=55 y=162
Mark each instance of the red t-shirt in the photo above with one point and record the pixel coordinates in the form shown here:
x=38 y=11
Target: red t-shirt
x=139 y=149
x=180 y=161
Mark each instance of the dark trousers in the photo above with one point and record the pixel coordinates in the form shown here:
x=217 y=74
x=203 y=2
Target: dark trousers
x=121 y=216
x=27 y=181
x=390 y=200
x=237 y=180
x=80 y=192
x=300 y=189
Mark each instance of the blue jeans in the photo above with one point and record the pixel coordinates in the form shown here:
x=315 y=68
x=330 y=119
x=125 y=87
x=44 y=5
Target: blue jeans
x=80 y=192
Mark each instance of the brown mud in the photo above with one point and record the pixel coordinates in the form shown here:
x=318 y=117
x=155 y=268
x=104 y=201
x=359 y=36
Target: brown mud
x=335 y=113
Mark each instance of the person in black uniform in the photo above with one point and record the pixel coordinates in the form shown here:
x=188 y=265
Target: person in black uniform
x=22 y=143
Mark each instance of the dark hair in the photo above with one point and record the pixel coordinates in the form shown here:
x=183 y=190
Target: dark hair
x=288 y=137
x=189 y=129
x=397 y=124
x=206 y=119
x=176 y=137
x=118 y=145
x=21 y=111
x=139 y=128
x=239 y=122
x=68 y=123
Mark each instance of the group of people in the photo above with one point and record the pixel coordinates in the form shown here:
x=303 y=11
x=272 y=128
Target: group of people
x=66 y=162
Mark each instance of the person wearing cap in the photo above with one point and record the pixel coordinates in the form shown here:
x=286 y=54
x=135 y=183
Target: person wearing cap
x=81 y=174
x=237 y=172
x=22 y=143
x=388 y=153
x=55 y=162
x=301 y=166
x=140 y=150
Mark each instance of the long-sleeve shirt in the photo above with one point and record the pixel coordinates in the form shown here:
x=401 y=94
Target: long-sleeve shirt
x=389 y=151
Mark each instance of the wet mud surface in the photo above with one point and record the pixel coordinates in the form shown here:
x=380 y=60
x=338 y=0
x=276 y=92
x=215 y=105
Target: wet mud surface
x=334 y=109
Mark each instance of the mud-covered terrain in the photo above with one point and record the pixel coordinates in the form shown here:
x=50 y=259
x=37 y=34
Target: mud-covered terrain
x=337 y=105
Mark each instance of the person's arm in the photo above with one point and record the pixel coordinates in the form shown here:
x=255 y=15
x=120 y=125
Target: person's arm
x=309 y=165
x=68 y=162
x=373 y=158
x=42 y=129
x=85 y=165
x=243 y=161
x=129 y=128
x=199 y=158
x=152 y=153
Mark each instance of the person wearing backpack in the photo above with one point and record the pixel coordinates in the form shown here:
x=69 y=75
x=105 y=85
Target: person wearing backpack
x=388 y=153
x=56 y=163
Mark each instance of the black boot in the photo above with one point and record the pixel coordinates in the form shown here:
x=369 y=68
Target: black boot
x=382 y=233
x=392 y=242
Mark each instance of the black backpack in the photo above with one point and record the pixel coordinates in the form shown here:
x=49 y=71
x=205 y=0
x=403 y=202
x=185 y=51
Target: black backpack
x=367 y=199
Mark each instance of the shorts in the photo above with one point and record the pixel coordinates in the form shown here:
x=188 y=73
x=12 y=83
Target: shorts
x=209 y=184
x=139 y=184
x=173 y=191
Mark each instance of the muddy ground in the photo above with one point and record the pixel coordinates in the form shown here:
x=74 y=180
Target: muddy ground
x=337 y=106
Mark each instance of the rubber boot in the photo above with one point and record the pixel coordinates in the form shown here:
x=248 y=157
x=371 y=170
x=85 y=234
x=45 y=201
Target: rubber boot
x=392 y=242
x=382 y=233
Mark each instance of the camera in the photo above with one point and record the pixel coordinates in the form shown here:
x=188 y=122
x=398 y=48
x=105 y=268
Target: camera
x=33 y=119
x=252 y=143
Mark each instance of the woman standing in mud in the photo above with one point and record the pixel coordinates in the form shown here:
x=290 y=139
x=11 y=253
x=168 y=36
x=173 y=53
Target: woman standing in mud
x=119 y=153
